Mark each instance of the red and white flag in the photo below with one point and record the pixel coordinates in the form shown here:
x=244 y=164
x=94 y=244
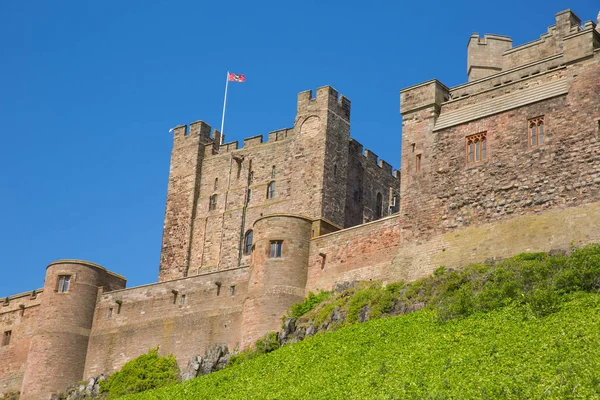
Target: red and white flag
x=236 y=77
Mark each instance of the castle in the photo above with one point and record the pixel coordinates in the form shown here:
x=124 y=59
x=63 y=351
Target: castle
x=505 y=163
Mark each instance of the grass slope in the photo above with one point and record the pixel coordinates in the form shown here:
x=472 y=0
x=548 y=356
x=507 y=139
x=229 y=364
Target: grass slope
x=504 y=354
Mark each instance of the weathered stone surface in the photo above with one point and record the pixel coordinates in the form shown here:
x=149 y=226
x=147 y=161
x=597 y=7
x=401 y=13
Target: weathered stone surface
x=520 y=198
x=216 y=358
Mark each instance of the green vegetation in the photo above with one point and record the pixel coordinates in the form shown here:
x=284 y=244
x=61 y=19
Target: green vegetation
x=264 y=345
x=312 y=300
x=10 y=396
x=148 y=371
x=523 y=328
x=536 y=279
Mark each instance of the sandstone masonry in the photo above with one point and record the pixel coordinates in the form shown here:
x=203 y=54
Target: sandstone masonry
x=505 y=163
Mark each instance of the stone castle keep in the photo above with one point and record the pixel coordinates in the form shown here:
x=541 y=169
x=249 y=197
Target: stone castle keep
x=505 y=163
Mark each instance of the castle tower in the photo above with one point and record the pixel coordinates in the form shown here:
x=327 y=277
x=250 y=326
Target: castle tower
x=322 y=133
x=484 y=55
x=182 y=198
x=420 y=106
x=278 y=275
x=59 y=344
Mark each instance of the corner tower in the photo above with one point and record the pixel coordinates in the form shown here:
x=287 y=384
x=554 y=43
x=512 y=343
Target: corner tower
x=278 y=275
x=59 y=344
x=322 y=135
x=182 y=198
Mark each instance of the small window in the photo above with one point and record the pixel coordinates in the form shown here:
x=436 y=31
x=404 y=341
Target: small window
x=418 y=163
x=218 y=288
x=248 y=242
x=119 y=303
x=356 y=194
x=273 y=172
x=110 y=312
x=183 y=299
x=536 y=131
x=379 y=206
x=232 y=290
x=251 y=177
x=249 y=196
x=63 y=283
x=413 y=147
x=6 y=338
x=275 y=250
x=216 y=184
x=334 y=170
x=476 y=148
x=212 y=205
x=271 y=190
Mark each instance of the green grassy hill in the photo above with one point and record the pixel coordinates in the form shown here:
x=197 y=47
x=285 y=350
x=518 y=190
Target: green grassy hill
x=505 y=354
x=525 y=328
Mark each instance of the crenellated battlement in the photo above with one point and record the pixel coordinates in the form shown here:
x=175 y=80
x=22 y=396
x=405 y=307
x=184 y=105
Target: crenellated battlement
x=211 y=138
x=327 y=98
x=357 y=148
x=494 y=54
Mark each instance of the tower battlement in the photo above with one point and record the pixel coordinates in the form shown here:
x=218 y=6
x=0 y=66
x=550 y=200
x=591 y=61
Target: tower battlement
x=326 y=98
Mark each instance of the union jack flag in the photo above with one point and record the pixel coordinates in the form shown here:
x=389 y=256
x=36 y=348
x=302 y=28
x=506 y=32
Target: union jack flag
x=236 y=77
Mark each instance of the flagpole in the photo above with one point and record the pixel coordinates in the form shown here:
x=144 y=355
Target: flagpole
x=224 y=104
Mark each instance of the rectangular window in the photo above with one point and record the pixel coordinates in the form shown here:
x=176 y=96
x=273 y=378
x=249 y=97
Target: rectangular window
x=212 y=205
x=271 y=190
x=119 y=303
x=183 y=299
x=476 y=148
x=232 y=290
x=63 y=283
x=110 y=312
x=536 y=131
x=6 y=338
x=418 y=163
x=275 y=250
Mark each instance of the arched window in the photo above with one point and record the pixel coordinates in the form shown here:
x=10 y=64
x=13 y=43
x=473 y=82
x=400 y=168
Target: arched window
x=212 y=205
x=379 y=206
x=216 y=183
x=536 y=131
x=248 y=242
x=271 y=190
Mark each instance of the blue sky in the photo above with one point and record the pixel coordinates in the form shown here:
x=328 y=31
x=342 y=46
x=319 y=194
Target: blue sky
x=89 y=90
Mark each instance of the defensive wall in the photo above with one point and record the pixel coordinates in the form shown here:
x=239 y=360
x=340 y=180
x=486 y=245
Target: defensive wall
x=506 y=163
x=19 y=315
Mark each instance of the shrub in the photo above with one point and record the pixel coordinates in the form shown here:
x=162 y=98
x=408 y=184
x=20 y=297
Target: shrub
x=311 y=301
x=267 y=343
x=148 y=371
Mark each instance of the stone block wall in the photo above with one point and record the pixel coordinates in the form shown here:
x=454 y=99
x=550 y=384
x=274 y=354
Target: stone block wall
x=515 y=178
x=363 y=252
x=19 y=315
x=183 y=317
x=370 y=177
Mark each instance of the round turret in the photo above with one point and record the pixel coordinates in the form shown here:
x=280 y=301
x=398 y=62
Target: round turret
x=278 y=275
x=59 y=345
